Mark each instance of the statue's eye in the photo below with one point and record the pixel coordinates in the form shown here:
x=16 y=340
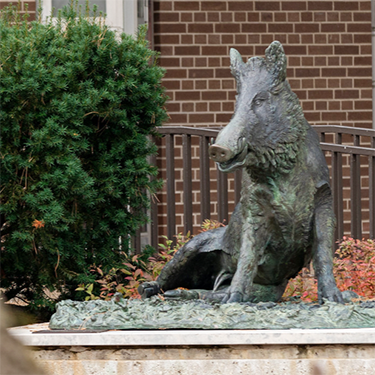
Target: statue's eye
x=258 y=102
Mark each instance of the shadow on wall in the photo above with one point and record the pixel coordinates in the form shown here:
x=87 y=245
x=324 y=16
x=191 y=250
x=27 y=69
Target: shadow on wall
x=14 y=357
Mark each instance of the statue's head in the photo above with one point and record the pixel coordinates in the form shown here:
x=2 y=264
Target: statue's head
x=266 y=112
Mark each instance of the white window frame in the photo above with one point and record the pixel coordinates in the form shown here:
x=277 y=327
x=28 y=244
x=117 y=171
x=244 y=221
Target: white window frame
x=121 y=14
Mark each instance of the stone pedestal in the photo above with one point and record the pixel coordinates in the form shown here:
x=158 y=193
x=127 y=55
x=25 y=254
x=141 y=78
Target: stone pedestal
x=192 y=352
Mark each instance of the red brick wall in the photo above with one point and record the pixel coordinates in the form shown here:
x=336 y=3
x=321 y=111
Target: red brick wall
x=328 y=44
x=29 y=5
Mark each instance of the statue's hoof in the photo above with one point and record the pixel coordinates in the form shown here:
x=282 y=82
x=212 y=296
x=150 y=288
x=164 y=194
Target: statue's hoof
x=232 y=297
x=149 y=289
x=331 y=294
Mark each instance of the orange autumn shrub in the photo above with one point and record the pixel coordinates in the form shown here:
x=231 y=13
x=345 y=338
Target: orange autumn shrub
x=353 y=268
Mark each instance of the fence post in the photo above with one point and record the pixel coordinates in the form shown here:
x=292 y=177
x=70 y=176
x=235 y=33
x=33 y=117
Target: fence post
x=204 y=174
x=187 y=185
x=171 y=199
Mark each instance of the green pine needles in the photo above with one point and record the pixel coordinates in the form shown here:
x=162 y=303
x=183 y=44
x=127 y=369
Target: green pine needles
x=77 y=103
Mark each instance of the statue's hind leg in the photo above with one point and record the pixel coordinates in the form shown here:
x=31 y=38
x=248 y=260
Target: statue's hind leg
x=219 y=286
x=193 y=266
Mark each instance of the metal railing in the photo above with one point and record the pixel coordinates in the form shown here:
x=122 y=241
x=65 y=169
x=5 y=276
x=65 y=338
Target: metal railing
x=346 y=148
x=362 y=166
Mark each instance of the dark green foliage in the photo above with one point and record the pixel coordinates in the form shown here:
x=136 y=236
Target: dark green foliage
x=77 y=104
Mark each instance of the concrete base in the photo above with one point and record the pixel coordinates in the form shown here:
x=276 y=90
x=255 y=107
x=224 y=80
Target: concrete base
x=188 y=352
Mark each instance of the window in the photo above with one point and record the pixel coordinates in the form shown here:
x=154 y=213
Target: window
x=58 y=4
x=122 y=15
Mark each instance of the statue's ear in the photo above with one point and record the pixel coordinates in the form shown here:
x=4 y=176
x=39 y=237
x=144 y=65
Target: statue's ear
x=236 y=62
x=276 y=61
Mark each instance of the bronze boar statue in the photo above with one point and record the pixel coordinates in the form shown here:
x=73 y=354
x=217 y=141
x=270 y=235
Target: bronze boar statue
x=284 y=218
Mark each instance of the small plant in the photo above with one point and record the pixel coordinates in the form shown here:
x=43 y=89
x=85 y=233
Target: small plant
x=124 y=280
x=304 y=286
x=166 y=253
x=88 y=289
x=136 y=276
x=211 y=224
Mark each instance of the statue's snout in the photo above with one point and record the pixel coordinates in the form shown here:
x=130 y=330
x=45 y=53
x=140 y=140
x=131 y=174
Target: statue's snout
x=220 y=154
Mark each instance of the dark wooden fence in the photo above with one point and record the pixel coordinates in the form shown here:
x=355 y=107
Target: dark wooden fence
x=350 y=154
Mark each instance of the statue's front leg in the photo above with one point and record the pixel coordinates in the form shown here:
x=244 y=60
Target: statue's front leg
x=323 y=255
x=254 y=241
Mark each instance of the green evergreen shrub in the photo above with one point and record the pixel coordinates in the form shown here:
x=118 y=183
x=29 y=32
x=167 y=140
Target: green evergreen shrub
x=77 y=104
